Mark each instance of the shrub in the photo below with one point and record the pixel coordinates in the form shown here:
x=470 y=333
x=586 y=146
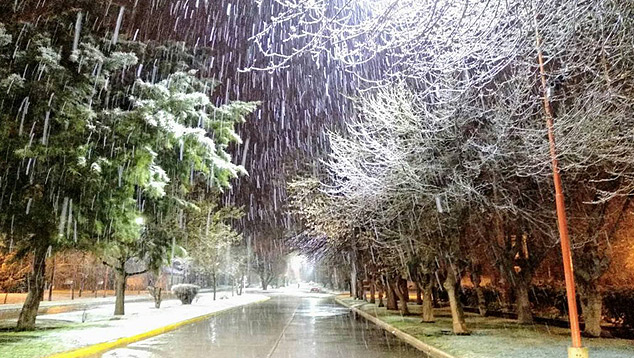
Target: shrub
x=546 y=297
x=550 y=301
x=618 y=307
x=185 y=292
x=469 y=298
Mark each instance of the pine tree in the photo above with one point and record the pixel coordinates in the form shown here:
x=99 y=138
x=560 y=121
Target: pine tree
x=88 y=144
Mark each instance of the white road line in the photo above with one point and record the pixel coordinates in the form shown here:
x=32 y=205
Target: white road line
x=277 y=342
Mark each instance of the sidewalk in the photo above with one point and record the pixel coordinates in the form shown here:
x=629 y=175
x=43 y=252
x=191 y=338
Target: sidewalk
x=10 y=311
x=491 y=337
x=64 y=295
x=65 y=331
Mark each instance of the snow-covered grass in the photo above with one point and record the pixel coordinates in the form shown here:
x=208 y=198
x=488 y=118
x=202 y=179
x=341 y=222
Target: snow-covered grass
x=493 y=337
x=65 y=331
x=40 y=343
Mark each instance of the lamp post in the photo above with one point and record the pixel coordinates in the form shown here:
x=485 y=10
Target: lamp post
x=576 y=350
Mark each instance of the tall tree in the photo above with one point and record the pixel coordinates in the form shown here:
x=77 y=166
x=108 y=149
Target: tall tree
x=86 y=144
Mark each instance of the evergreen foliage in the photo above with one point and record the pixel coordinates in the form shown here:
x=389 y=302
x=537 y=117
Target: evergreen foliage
x=97 y=148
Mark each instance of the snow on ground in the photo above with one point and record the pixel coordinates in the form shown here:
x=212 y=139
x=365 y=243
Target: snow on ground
x=493 y=337
x=65 y=331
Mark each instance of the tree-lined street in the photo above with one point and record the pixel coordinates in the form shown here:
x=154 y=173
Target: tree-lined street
x=463 y=170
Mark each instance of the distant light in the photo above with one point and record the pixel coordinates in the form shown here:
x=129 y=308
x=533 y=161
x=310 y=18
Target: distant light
x=297 y=262
x=139 y=220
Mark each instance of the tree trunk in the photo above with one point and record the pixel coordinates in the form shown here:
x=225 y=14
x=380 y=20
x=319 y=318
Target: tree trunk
x=390 y=295
x=591 y=305
x=435 y=290
x=380 y=294
x=482 y=304
x=428 y=302
x=457 y=314
x=51 y=284
x=155 y=292
x=360 y=290
x=105 y=281
x=397 y=287
x=372 y=292
x=82 y=280
x=505 y=296
x=524 y=314
x=26 y=320
x=72 y=287
x=214 y=285
x=120 y=283
x=353 y=274
x=404 y=288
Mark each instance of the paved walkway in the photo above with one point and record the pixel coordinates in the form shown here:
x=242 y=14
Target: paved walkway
x=10 y=311
x=64 y=295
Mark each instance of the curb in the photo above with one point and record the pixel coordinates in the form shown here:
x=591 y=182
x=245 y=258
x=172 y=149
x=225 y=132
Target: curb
x=104 y=346
x=431 y=351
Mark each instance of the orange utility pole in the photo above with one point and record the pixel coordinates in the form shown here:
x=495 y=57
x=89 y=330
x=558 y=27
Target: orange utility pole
x=576 y=350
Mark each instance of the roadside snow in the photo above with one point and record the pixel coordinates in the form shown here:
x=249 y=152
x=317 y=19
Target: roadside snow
x=101 y=326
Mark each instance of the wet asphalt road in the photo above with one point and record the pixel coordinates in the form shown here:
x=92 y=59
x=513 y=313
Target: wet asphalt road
x=288 y=325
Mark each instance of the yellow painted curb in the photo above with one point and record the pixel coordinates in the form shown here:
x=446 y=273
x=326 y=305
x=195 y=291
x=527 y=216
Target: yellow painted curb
x=431 y=351
x=102 y=347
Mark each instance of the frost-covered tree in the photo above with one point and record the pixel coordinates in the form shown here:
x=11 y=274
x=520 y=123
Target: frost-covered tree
x=236 y=265
x=94 y=154
x=331 y=227
x=47 y=113
x=470 y=135
x=178 y=140
x=269 y=255
x=210 y=238
x=401 y=169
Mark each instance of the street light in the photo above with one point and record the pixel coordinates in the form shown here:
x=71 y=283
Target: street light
x=576 y=350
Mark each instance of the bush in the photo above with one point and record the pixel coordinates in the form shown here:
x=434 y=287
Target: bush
x=618 y=307
x=469 y=298
x=545 y=298
x=185 y=292
x=550 y=301
x=617 y=304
